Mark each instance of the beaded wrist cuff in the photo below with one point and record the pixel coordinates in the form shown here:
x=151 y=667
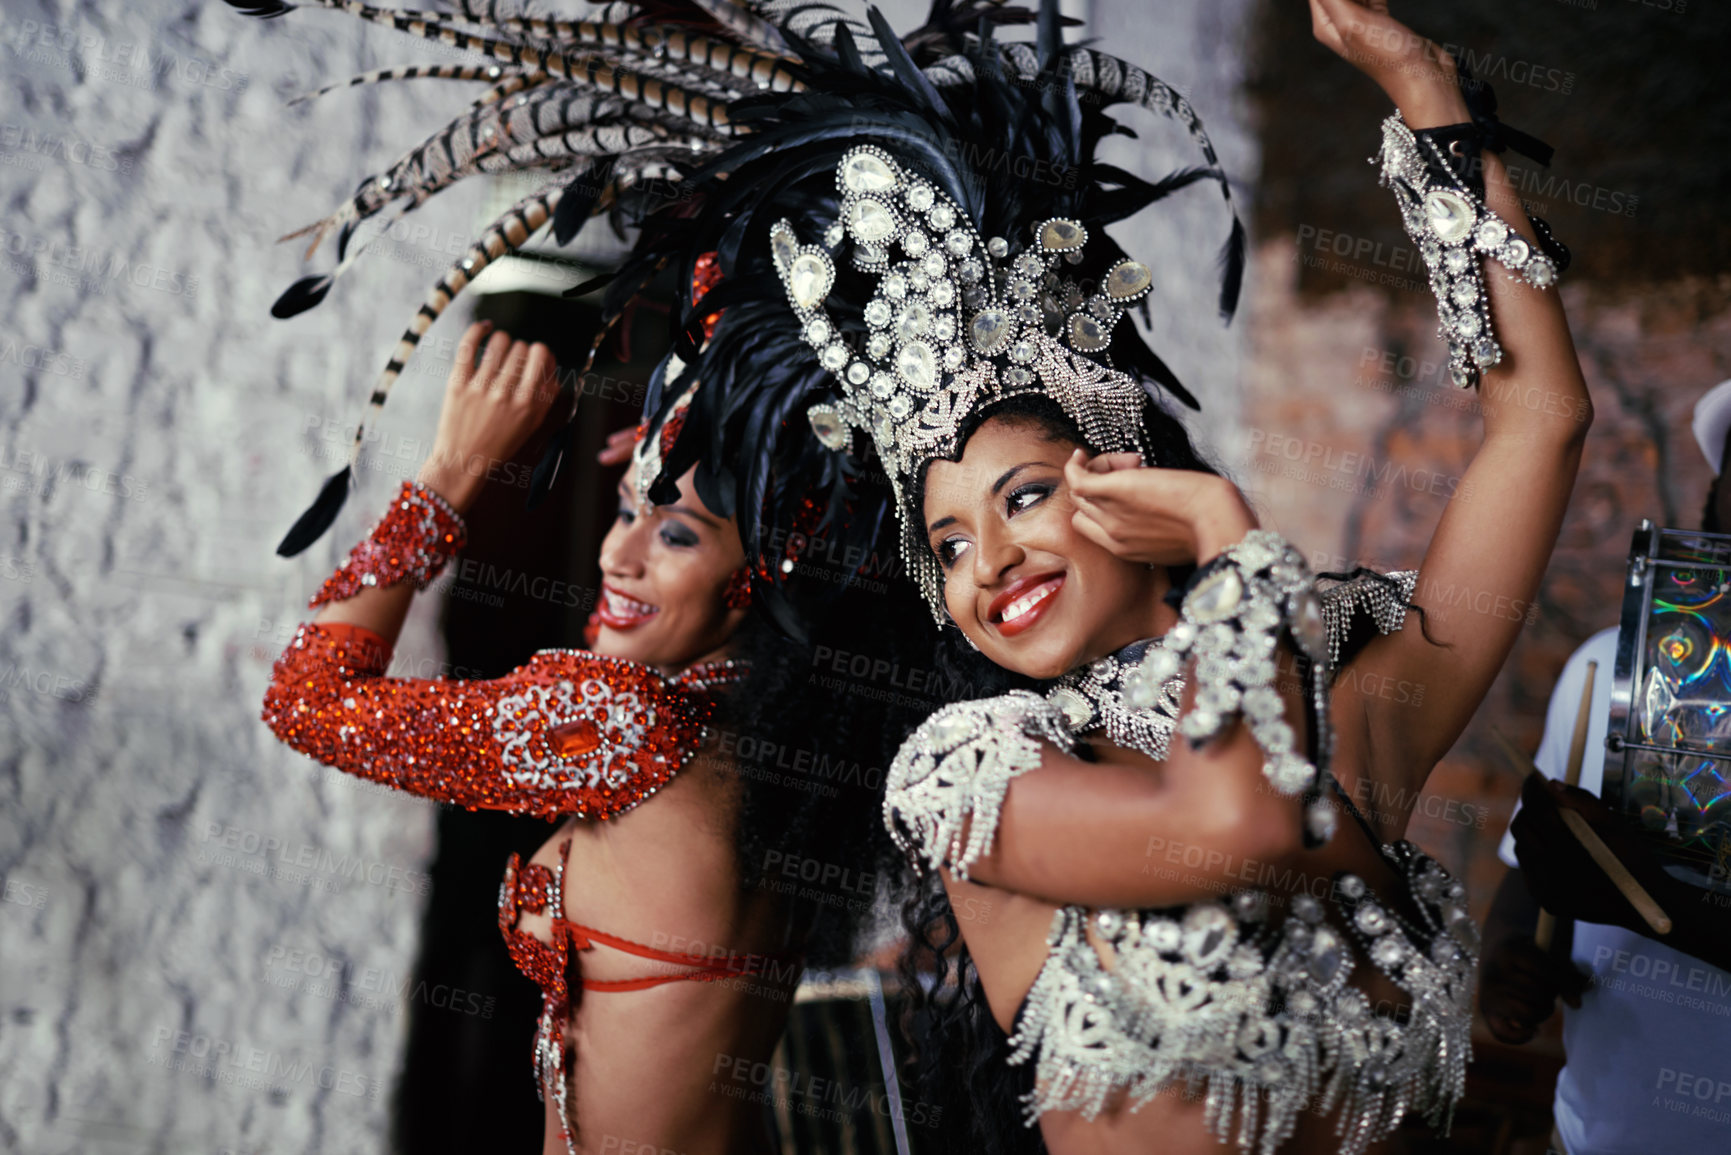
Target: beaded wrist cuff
x=1454 y=230
x=1235 y=612
x=412 y=542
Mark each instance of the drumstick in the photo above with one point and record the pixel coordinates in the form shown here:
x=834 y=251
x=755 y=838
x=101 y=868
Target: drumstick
x=1625 y=883
x=1618 y=873
x=1547 y=925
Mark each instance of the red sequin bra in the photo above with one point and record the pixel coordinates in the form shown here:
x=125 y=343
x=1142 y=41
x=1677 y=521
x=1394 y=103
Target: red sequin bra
x=537 y=890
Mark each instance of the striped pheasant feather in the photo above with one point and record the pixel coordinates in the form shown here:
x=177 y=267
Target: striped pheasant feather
x=613 y=104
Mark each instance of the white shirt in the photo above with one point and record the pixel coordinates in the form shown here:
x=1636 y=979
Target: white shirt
x=1649 y=1051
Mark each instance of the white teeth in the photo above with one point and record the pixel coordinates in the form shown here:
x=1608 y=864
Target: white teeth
x=621 y=606
x=1023 y=604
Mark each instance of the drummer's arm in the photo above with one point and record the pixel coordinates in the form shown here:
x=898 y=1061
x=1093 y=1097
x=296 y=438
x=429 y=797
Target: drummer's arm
x=1567 y=882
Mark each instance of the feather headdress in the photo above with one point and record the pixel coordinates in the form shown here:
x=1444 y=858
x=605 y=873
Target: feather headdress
x=751 y=106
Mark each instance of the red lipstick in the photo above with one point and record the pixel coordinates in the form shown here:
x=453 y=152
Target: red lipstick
x=618 y=611
x=1024 y=602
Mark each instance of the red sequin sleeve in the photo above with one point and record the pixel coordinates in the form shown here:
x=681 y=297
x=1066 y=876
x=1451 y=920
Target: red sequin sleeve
x=569 y=732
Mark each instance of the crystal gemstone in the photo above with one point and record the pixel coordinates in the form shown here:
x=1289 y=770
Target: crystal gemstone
x=864 y=173
x=1450 y=214
x=917 y=366
x=1087 y=333
x=1128 y=280
x=871 y=220
x=1059 y=235
x=809 y=279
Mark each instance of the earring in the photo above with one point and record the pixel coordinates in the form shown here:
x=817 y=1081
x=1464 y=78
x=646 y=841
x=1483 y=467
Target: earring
x=961 y=631
x=737 y=595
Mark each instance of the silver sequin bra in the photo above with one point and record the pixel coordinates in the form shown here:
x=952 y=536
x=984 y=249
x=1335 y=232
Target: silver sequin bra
x=1248 y=996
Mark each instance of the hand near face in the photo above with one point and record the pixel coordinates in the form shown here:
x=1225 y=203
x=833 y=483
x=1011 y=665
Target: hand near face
x=1161 y=517
x=490 y=409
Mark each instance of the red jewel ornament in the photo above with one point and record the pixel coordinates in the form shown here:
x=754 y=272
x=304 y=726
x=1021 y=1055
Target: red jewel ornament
x=705 y=275
x=574 y=739
x=737 y=595
x=412 y=542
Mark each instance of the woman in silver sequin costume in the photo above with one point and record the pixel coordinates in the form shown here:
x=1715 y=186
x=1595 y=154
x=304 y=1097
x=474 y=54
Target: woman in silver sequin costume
x=1056 y=560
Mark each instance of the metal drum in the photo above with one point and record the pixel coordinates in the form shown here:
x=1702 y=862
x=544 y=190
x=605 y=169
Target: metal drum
x=832 y=1087
x=1668 y=745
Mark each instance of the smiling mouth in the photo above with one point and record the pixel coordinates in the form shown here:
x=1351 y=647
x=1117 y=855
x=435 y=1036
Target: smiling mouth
x=1024 y=603
x=618 y=612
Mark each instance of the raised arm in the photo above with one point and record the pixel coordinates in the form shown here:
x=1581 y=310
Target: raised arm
x=565 y=733
x=1124 y=834
x=490 y=409
x=1495 y=537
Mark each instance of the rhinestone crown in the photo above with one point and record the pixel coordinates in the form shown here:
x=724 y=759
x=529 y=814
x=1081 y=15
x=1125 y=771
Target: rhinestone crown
x=955 y=323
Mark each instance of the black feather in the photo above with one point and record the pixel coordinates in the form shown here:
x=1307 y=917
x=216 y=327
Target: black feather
x=1136 y=194
x=846 y=50
x=547 y=469
x=301 y=296
x=1132 y=353
x=584 y=288
x=579 y=200
x=318 y=517
x=1232 y=269
x=263 y=9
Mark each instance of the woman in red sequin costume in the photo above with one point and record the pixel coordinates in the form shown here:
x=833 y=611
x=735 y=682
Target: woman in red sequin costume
x=644 y=1021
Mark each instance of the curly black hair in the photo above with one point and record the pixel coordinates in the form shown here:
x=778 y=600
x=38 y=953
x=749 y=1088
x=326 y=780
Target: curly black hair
x=810 y=732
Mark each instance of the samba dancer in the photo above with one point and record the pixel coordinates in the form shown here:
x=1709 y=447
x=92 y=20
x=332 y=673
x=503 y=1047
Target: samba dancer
x=661 y=843
x=1050 y=507
x=710 y=616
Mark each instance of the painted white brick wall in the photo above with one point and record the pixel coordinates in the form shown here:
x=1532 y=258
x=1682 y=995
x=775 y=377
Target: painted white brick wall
x=172 y=873
x=203 y=933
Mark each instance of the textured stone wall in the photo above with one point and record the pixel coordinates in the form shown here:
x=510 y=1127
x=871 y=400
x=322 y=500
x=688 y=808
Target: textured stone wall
x=202 y=932
x=205 y=936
